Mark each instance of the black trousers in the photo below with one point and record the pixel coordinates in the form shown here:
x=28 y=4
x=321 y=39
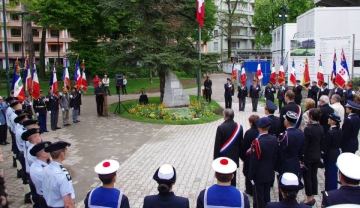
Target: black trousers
x=261 y=194
x=228 y=101
x=42 y=202
x=281 y=103
x=3 y=133
x=254 y=102
x=54 y=117
x=242 y=101
x=34 y=195
x=208 y=97
x=14 y=147
x=100 y=104
x=248 y=186
x=21 y=158
x=124 y=89
x=310 y=177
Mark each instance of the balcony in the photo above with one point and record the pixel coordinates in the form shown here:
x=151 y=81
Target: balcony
x=246 y=35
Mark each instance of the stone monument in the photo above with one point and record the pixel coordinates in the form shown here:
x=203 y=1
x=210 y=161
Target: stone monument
x=174 y=95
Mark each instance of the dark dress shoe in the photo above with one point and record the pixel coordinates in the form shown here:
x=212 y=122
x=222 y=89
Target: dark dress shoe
x=310 y=203
x=57 y=128
x=67 y=124
x=2 y=143
x=74 y=121
x=14 y=162
x=46 y=131
x=53 y=129
x=6 y=142
x=27 y=199
x=77 y=120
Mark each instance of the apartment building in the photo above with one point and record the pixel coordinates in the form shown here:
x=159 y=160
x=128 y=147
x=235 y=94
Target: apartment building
x=243 y=33
x=16 y=47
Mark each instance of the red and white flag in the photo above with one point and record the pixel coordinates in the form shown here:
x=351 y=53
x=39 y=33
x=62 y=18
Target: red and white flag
x=281 y=76
x=35 y=83
x=243 y=76
x=343 y=75
x=259 y=73
x=28 y=79
x=200 y=12
x=273 y=74
x=320 y=74
x=53 y=82
x=66 y=77
x=293 y=73
x=83 y=77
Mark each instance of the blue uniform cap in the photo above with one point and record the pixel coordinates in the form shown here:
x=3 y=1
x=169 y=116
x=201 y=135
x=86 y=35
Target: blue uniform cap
x=263 y=122
x=14 y=103
x=351 y=104
x=30 y=132
x=20 y=118
x=30 y=122
x=38 y=147
x=335 y=117
x=271 y=105
x=57 y=146
x=9 y=99
x=21 y=111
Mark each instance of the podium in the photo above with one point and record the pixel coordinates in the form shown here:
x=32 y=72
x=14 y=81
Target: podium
x=105 y=106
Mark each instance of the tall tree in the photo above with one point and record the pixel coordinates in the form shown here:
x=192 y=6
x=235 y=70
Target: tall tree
x=266 y=17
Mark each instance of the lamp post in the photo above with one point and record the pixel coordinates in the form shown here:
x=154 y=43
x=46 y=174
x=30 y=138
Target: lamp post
x=283 y=16
x=22 y=13
x=6 y=50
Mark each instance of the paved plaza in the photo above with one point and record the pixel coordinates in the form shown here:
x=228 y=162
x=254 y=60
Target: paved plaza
x=140 y=148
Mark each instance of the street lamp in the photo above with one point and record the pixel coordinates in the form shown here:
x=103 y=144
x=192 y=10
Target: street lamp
x=6 y=50
x=282 y=16
x=22 y=13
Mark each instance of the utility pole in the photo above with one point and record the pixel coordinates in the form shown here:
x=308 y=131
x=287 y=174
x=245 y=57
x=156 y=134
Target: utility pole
x=22 y=13
x=283 y=16
x=6 y=50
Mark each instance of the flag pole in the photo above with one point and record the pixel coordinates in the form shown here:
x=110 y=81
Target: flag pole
x=199 y=72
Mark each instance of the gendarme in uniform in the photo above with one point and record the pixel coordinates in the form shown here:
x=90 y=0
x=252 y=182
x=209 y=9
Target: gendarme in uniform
x=56 y=180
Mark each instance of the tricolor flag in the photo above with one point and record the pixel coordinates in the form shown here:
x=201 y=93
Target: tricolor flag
x=243 y=76
x=259 y=73
x=293 y=73
x=200 y=12
x=53 y=81
x=77 y=75
x=35 y=83
x=281 y=76
x=306 y=77
x=343 y=75
x=233 y=71
x=28 y=81
x=320 y=74
x=19 y=92
x=83 y=78
x=333 y=73
x=273 y=74
x=66 y=77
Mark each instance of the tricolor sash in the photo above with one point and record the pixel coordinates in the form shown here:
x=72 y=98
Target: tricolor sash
x=232 y=139
x=299 y=112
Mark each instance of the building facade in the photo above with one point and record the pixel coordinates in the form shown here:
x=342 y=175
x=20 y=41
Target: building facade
x=243 y=33
x=16 y=45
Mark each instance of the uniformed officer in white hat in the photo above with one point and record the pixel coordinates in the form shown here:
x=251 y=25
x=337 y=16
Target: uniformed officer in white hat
x=222 y=194
x=107 y=195
x=56 y=181
x=349 y=176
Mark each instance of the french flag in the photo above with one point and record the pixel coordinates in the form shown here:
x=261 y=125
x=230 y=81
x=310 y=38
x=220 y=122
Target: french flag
x=83 y=77
x=281 y=76
x=343 y=75
x=28 y=81
x=77 y=75
x=293 y=73
x=243 y=76
x=320 y=74
x=66 y=77
x=259 y=73
x=273 y=74
x=200 y=12
x=53 y=82
x=35 y=83
x=333 y=73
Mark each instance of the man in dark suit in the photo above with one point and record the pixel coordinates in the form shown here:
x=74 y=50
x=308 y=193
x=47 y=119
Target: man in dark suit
x=99 y=92
x=349 y=175
x=351 y=127
x=269 y=92
x=324 y=90
x=242 y=93
x=270 y=109
x=262 y=162
x=290 y=106
x=53 y=109
x=337 y=90
x=229 y=93
x=229 y=136
x=325 y=111
x=208 y=88
x=254 y=94
x=297 y=90
x=281 y=94
x=313 y=91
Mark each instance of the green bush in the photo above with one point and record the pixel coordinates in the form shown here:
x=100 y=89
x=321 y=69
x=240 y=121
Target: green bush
x=355 y=81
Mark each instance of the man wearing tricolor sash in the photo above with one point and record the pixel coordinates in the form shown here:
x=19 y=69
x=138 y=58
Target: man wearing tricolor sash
x=229 y=136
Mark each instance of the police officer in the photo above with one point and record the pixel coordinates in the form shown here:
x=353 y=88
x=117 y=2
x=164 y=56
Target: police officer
x=269 y=92
x=349 y=92
x=40 y=111
x=351 y=127
x=349 y=176
x=53 y=109
x=63 y=194
x=229 y=93
x=331 y=151
x=165 y=176
x=37 y=169
x=8 y=114
x=297 y=90
x=222 y=194
x=27 y=105
x=313 y=91
x=270 y=109
x=106 y=195
x=242 y=93
x=262 y=162
x=290 y=106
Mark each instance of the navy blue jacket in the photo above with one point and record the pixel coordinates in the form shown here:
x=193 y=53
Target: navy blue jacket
x=291 y=106
x=332 y=143
x=53 y=103
x=312 y=93
x=314 y=140
x=284 y=204
x=343 y=195
x=229 y=91
x=324 y=92
x=349 y=95
x=242 y=93
x=325 y=111
x=254 y=93
x=249 y=137
x=269 y=93
x=350 y=129
x=275 y=126
x=168 y=200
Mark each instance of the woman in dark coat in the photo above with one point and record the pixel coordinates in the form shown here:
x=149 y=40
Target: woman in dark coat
x=331 y=151
x=314 y=137
x=250 y=136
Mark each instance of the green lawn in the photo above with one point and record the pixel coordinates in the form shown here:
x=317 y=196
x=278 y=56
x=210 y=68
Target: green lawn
x=303 y=52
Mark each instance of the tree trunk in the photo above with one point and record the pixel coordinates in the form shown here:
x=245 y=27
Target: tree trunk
x=29 y=42
x=162 y=74
x=42 y=53
x=150 y=81
x=229 y=47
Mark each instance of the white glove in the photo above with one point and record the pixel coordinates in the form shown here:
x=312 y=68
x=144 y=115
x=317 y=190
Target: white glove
x=49 y=112
x=272 y=89
x=71 y=96
x=232 y=96
x=344 y=90
x=63 y=109
x=37 y=114
x=265 y=98
x=33 y=117
x=353 y=92
x=79 y=92
x=72 y=108
x=257 y=88
x=30 y=103
x=60 y=94
x=322 y=90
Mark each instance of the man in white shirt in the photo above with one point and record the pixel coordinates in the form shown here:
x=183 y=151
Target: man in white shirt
x=124 y=85
x=106 y=83
x=338 y=108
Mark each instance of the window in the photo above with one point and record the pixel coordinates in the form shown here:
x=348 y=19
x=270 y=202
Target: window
x=356 y=63
x=216 y=46
x=35 y=33
x=15 y=32
x=16 y=47
x=14 y=17
x=54 y=33
x=36 y=47
x=216 y=33
x=54 y=48
x=233 y=44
